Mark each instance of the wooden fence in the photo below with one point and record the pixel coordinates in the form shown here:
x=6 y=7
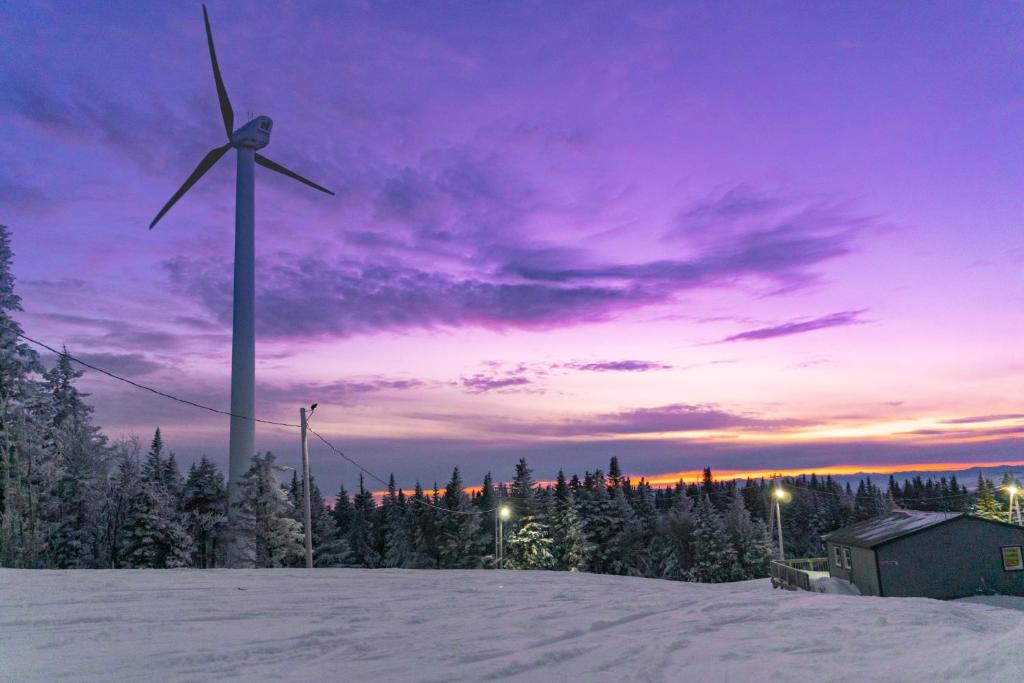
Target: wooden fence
x=795 y=574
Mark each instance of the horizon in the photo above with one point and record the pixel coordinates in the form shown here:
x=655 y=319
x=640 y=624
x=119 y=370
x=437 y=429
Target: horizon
x=756 y=239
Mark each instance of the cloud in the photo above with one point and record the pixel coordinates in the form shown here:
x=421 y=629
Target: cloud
x=799 y=326
x=674 y=418
x=477 y=282
x=618 y=366
x=481 y=383
x=737 y=202
x=779 y=250
x=129 y=364
x=984 y=418
x=678 y=417
x=310 y=296
x=340 y=392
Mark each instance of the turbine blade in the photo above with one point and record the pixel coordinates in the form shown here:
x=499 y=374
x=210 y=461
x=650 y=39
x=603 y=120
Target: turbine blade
x=274 y=166
x=222 y=93
x=205 y=165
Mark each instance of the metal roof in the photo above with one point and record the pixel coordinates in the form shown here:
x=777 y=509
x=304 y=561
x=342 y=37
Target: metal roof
x=884 y=528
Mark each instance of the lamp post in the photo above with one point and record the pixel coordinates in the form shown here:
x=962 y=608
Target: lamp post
x=1013 y=491
x=778 y=494
x=504 y=513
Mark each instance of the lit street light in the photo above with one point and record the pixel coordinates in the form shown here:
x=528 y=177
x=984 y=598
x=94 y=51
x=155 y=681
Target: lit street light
x=504 y=514
x=780 y=496
x=1013 y=491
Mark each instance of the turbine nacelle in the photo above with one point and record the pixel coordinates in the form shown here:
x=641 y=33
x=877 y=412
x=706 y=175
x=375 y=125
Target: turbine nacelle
x=254 y=135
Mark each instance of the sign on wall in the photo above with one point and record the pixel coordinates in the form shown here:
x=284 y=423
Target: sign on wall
x=1013 y=558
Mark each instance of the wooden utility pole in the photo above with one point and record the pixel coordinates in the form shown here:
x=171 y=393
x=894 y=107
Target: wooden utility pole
x=307 y=515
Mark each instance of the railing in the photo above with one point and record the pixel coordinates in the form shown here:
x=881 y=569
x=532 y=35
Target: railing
x=794 y=574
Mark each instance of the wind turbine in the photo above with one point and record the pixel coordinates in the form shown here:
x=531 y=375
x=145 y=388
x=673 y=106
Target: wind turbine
x=246 y=140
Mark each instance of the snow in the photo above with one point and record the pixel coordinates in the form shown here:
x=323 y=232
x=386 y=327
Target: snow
x=408 y=625
x=833 y=585
x=872 y=532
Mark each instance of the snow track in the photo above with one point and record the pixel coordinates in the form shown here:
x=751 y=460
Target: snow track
x=443 y=626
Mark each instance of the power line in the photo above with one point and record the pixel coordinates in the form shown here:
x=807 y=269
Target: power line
x=151 y=390
x=388 y=483
x=185 y=401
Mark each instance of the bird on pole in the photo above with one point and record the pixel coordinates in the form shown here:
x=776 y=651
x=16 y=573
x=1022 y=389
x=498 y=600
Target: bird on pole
x=245 y=140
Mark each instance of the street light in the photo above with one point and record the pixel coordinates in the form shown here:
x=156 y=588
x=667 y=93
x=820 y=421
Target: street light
x=504 y=514
x=780 y=496
x=1013 y=491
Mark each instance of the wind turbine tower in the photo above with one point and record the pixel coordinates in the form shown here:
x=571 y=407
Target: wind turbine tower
x=250 y=137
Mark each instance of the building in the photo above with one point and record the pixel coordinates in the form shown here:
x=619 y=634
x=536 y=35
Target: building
x=928 y=554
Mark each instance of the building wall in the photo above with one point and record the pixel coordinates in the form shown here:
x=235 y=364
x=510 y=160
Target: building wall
x=864 y=574
x=952 y=560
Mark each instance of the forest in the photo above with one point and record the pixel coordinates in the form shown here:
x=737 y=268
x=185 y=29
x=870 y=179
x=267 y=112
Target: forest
x=71 y=498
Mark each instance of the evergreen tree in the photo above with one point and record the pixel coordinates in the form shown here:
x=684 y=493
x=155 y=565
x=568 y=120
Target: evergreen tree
x=342 y=512
x=79 y=465
x=157 y=534
x=570 y=549
x=266 y=531
x=750 y=540
x=522 y=496
x=460 y=528
x=424 y=525
x=530 y=547
x=714 y=558
x=397 y=543
x=330 y=549
x=986 y=505
x=204 y=504
x=24 y=480
x=361 y=533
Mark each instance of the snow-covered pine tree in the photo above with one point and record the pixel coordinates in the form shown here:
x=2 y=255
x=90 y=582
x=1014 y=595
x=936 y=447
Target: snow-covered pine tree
x=329 y=548
x=487 y=501
x=155 y=527
x=637 y=543
x=522 y=496
x=397 y=544
x=342 y=512
x=600 y=526
x=749 y=539
x=361 y=533
x=80 y=470
x=205 y=504
x=671 y=547
x=424 y=531
x=460 y=528
x=119 y=504
x=570 y=547
x=267 y=533
x=174 y=483
x=24 y=483
x=714 y=558
x=985 y=504
x=529 y=547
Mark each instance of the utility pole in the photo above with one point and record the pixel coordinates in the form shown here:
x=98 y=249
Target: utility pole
x=307 y=515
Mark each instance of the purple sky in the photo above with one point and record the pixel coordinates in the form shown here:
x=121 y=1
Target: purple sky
x=747 y=235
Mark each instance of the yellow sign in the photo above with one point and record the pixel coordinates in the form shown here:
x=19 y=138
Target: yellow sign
x=1013 y=558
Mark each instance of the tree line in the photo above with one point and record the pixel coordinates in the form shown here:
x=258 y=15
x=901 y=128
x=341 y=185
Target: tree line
x=69 y=498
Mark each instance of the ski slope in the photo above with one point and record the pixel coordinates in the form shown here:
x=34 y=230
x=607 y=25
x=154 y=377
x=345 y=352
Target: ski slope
x=405 y=625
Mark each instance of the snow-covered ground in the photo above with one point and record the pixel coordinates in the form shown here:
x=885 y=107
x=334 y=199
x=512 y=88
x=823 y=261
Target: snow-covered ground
x=404 y=625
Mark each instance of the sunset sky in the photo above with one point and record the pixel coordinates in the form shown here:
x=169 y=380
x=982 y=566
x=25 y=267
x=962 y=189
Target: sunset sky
x=755 y=236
